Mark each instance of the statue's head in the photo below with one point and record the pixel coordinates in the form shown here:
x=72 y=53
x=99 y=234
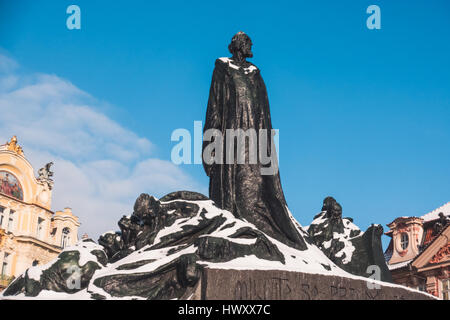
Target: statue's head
x=327 y=203
x=241 y=46
x=443 y=218
x=332 y=207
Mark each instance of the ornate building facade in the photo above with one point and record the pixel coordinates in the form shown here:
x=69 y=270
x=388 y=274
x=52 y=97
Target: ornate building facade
x=419 y=252
x=30 y=232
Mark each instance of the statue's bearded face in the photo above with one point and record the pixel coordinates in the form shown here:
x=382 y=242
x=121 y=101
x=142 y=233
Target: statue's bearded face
x=247 y=48
x=336 y=210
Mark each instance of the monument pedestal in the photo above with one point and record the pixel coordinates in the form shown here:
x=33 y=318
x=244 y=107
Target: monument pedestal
x=226 y=284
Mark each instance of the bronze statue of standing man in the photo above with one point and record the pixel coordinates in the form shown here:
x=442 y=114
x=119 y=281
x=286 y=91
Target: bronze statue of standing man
x=238 y=102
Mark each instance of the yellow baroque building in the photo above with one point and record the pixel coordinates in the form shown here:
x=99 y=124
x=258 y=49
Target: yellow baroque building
x=30 y=232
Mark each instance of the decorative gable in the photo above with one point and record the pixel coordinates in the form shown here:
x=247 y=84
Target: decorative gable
x=442 y=255
x=438 y=251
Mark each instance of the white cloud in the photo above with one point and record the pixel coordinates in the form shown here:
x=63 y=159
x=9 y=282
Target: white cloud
x=100 y=166
x=7 y=64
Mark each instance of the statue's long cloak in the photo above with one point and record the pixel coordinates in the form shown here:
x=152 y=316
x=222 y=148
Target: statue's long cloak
x=238 y=99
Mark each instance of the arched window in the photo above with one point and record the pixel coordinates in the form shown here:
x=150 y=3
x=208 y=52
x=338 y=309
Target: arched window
x=65 y=239
x=404 y=241
x=10 y=186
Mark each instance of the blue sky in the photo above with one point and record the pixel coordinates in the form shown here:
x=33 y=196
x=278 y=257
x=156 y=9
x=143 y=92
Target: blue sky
x=363 y=114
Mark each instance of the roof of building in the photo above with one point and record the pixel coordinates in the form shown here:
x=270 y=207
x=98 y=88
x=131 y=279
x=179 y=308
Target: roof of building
x=389 y=251
x=434 y=238
x=399 y=265
x=429 y=235
x=433 y=215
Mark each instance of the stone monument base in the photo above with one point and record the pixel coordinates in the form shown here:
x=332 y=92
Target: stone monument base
x=226 y=284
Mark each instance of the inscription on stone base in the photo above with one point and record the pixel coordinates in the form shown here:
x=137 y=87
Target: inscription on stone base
x=219 y=284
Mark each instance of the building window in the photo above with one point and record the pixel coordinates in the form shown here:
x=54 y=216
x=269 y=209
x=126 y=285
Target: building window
x=404 y=241
x=2 y=210
x=11 y=221
x=446 y=289
x=40 y=227
x=5 y=265
x=422 y=287
x=65 y=239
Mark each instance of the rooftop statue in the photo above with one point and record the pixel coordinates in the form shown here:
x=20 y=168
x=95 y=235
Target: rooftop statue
x=441 y=223
x=45 y=175
x=13 y=146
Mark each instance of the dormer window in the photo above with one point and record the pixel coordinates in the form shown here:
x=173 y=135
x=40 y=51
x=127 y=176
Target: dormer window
x=404 y=241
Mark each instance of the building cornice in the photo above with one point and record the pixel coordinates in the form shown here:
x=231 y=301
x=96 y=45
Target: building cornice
x=38 y=242
x=26 y=203
x=73 y=219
